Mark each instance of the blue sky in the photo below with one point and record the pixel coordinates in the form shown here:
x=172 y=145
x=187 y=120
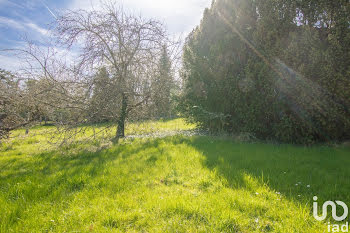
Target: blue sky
x=31 y=18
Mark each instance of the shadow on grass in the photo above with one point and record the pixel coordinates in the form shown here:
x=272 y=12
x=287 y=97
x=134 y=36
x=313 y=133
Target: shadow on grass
x=55 y=171
x=298 y=173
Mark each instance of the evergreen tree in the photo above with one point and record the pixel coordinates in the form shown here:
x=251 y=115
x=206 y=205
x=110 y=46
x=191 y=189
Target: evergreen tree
x=278 y=69
x=162 y=87
x=103 y=100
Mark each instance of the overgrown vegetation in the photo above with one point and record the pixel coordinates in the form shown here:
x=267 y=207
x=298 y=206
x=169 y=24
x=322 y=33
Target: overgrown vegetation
x=171 y=184
x=274 y=68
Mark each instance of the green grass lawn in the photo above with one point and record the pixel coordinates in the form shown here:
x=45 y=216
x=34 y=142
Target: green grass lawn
x=171 y=184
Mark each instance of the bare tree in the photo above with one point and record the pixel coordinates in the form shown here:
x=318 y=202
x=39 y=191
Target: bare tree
x=9 y=98
x=48 y=87
x=127 y=45
x=17 y=107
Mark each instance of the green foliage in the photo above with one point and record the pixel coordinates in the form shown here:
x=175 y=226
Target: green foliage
x=277 y=69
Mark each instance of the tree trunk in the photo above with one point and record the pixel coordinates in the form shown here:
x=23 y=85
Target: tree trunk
x=122 y=118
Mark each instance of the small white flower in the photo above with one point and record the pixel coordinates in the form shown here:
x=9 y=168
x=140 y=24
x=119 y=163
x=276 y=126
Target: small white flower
x=278 y=193
x=257 y=220
x=296 y=184
x=299 y=195
x=256 y=193
x=308 y=186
